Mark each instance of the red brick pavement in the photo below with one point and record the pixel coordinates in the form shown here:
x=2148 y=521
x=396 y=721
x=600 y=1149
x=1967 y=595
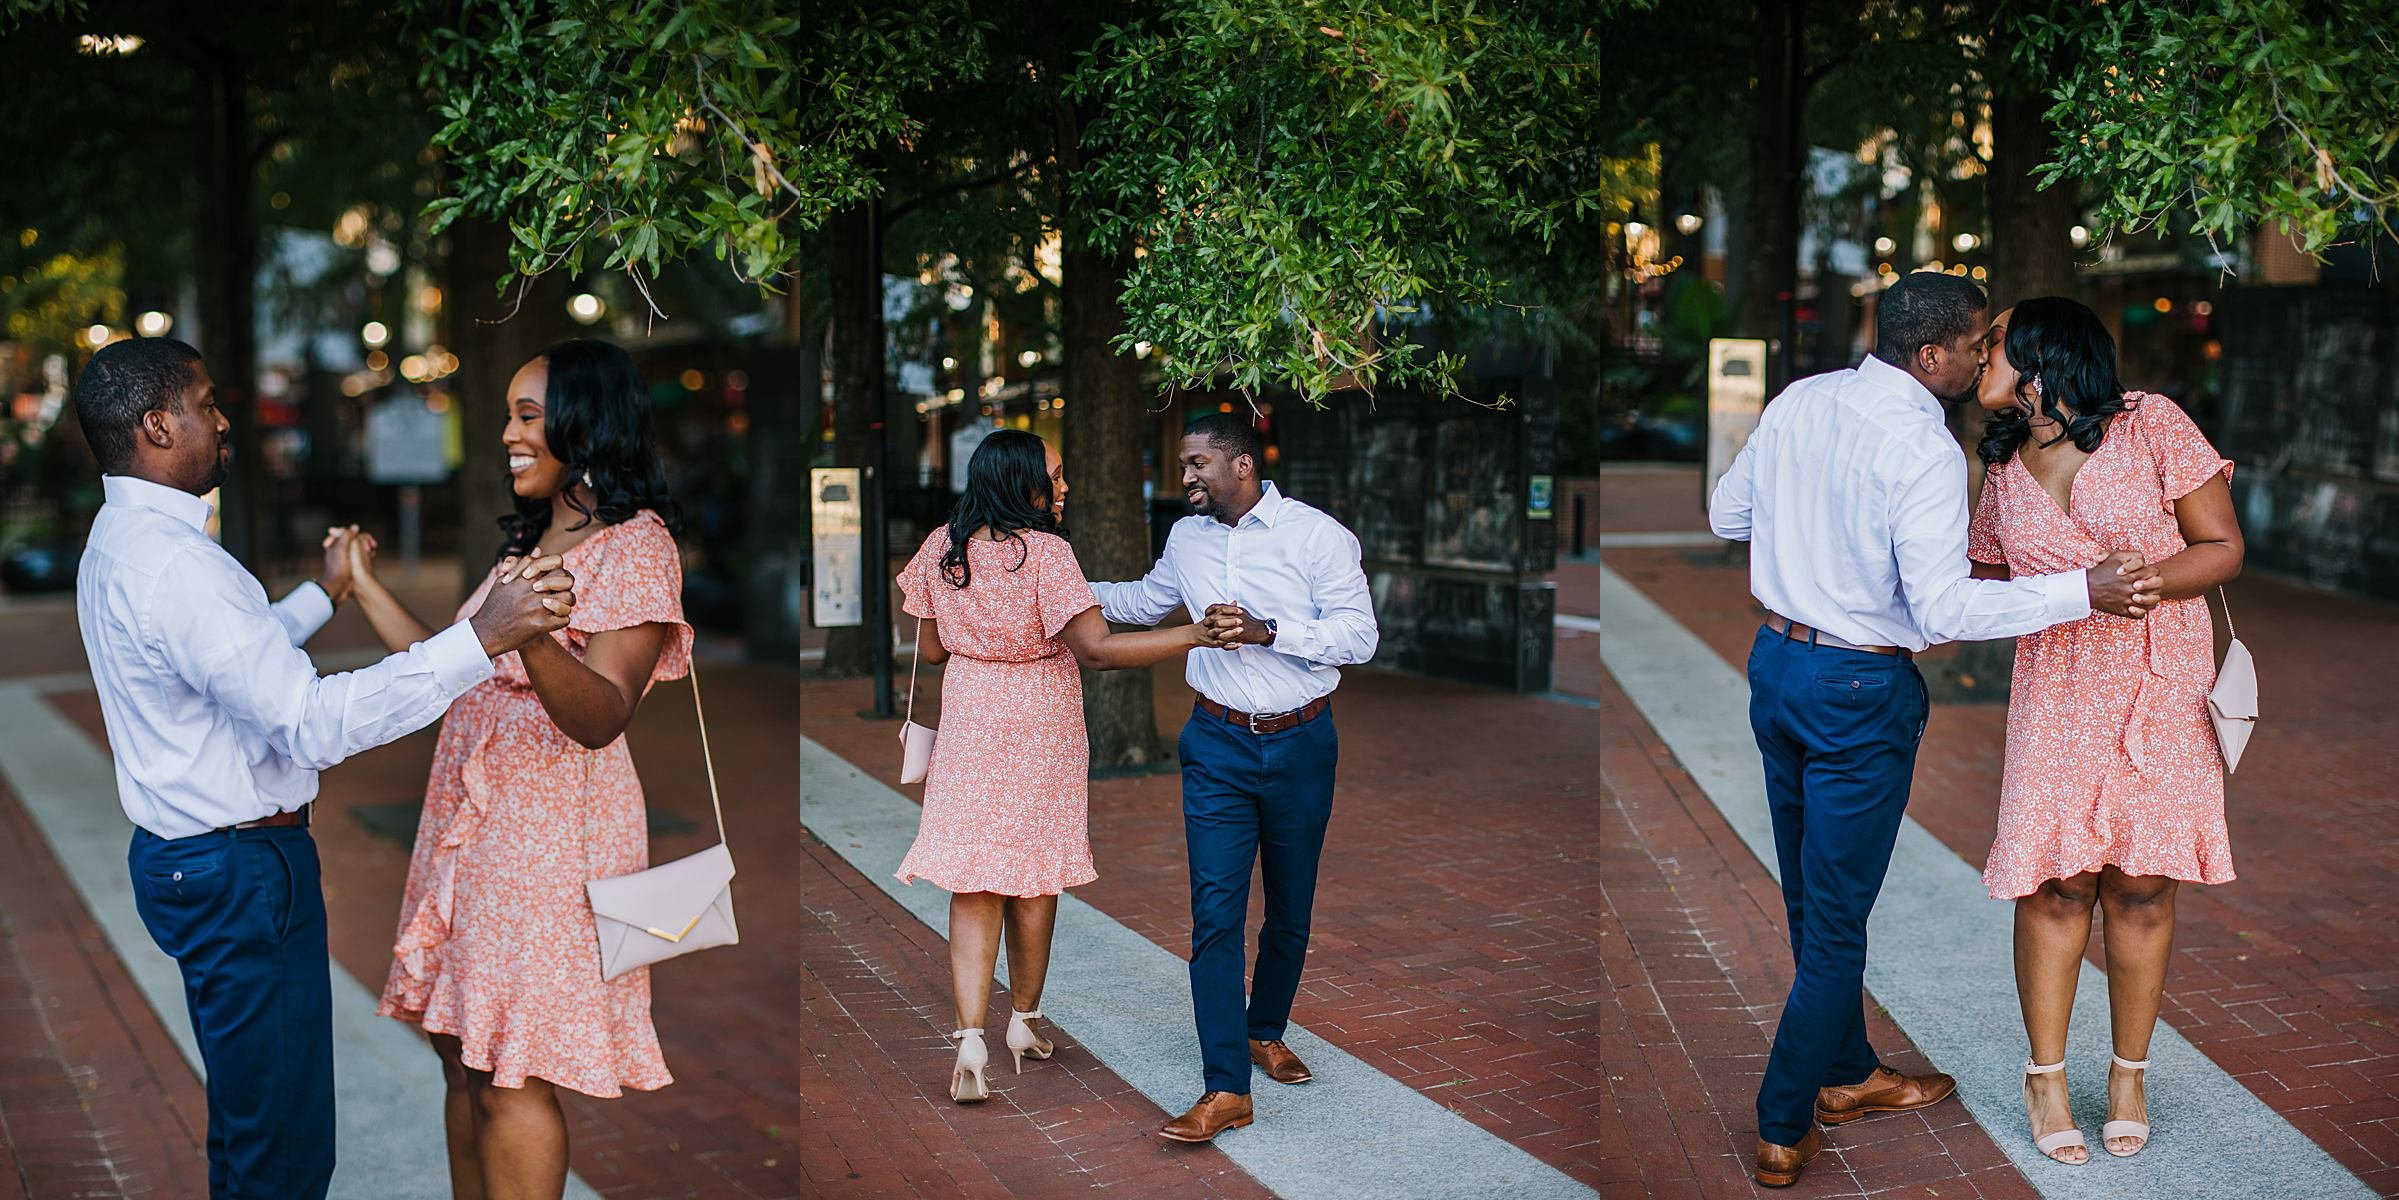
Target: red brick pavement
x=95 y=1098
x=876 y=1120
x=2283 y=977
x=1453 y=945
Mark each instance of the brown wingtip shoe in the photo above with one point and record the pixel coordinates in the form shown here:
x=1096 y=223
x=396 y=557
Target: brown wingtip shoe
x=1280 y=1063
x=1779 y=1166
x=1215 y=1113
x=1884 y=1091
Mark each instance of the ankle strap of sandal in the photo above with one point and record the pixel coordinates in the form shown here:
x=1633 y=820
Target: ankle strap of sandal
x=959 y=1034
x=2034 y=1068
x=2129 y=1064
x=1014 y=1015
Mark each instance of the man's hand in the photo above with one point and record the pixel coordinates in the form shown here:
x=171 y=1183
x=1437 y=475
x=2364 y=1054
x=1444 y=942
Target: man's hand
x=338 y=579
x=532 y=599
x=1230 y=626
x=2124 y=584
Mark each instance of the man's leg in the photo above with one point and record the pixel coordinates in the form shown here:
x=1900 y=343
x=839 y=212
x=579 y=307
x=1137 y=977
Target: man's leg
x=243 y=915
x=1294 y=809
x=1770 y=658
x=1220 y=833
x=1859 y=716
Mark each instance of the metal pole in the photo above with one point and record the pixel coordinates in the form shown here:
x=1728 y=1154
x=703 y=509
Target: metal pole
x=1578 y=524
x=878 y=588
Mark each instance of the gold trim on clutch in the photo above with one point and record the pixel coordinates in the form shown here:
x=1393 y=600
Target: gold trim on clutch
x=674 y=937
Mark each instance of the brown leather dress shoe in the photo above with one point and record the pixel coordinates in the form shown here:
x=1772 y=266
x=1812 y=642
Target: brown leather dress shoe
x=1215 y=1113
x=1884 y=1091
x=1281 y=1064
x=1779 y=1166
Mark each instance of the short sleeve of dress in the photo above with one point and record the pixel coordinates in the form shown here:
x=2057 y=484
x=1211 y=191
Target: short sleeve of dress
x=917 y=578
x=1060 y=592
x=637 y=579
x=2185 y=458
x=1982 y=530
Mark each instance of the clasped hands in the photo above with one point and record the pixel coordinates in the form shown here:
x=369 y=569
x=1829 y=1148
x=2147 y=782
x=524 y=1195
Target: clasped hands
x=1227 y=627
x=2126 y=584
x=529 y=596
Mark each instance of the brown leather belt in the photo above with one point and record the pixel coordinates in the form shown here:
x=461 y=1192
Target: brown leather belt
x=1265 y=723
x=1798 y=632
x=297 y=816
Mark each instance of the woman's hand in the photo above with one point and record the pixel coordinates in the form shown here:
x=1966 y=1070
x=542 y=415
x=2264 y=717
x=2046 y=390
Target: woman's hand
x=361 y=557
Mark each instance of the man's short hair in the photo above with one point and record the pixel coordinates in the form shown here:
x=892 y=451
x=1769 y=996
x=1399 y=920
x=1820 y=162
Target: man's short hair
x=1231 y=434
x=1925 y=308
x=124 y=381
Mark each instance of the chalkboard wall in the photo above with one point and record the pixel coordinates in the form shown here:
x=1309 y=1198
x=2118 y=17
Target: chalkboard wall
x=1436 y=492
x=2311 y=422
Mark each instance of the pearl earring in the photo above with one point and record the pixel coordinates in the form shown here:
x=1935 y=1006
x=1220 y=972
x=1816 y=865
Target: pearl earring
x=2036 y=385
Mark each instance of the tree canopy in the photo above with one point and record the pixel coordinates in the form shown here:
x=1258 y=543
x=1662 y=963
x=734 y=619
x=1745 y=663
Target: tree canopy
x=1302 y=175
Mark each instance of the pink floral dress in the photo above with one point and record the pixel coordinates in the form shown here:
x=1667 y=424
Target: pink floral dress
x=1006 y=795
x=2110 y=755
x=496 y=944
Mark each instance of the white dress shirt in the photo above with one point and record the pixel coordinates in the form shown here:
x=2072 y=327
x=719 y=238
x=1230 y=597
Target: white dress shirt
x=215 y=715
x=1852 y=495
x=1283 y=560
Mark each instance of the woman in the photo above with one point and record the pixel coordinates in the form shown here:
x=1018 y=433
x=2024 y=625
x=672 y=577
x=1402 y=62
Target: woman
x=1005 y=826
x=2113 y=790
x=533 y=791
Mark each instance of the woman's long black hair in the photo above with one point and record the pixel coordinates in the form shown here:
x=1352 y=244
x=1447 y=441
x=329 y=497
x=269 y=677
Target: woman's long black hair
x=596 y=419
x=2065 y=346
x=1007 y=492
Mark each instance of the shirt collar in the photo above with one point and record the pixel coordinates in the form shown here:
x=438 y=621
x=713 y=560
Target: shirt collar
x=1269 y=506
x=1900 y=384
x=141 y=493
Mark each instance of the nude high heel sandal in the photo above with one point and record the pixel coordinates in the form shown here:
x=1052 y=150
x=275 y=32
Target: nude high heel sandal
x=1023 y=1042
x=2064 y=1139
x=966 y=1076
x=2127 y=1129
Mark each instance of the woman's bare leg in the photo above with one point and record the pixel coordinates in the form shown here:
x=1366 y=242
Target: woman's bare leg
x=2053 y=925
x=521 y=1135
x=458 y=1119
x=1031 y=922
x=975 y=919
x=2140 y=945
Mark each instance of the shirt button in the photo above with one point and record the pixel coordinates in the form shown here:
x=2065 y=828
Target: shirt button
x=1855 y=685
x=178 y=876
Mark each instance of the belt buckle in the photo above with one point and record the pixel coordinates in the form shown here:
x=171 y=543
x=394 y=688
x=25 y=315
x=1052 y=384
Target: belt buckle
x=1254 y=718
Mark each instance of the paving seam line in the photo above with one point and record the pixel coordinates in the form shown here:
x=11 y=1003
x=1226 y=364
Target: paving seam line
x=387 y=1083
x=1941 y=963
x=1352 y=1134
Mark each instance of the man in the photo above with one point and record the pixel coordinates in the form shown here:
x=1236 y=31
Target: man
x=1852 y=494
x=1280 y=585
x=219 y=725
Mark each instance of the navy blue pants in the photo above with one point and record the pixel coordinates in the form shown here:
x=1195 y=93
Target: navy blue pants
x=242 y=913
x=1839 y=730
x=1251 y=799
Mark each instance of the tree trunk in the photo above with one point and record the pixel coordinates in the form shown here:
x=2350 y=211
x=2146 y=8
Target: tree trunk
x=856 y=282
x=785 y=403
x=2032 y=254
x=491 y=344
x=1106 y=423
x=1770 y=293
x=227 y=236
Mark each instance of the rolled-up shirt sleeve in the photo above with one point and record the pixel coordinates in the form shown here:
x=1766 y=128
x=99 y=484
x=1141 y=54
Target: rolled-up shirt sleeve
x=1342 y=631
x=1945 y=602
x=219 y=634
x=304 y=611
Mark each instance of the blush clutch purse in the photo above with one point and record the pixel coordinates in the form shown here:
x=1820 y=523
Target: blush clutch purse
x=916 y=741
x=2232 y=703
x=671 y=909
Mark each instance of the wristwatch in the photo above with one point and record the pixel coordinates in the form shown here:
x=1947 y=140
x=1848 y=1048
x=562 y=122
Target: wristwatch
x=1268 y=622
